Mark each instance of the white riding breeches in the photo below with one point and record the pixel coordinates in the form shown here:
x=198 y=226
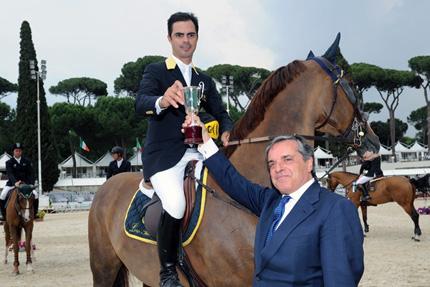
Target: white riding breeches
x=6 y=190
x=169 y=184
x=363 y=179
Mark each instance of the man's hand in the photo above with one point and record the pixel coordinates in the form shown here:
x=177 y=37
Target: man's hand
x=225 y=137
x=17 y=183
x=189 y=119
x=174 y=96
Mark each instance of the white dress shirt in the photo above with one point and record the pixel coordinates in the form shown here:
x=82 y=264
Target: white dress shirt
x=119 y=162
x=295 y=197
x=186 y=73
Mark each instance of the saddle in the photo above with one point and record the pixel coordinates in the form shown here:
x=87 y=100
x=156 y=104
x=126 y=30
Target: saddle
x=154 y=207
x=371 y=183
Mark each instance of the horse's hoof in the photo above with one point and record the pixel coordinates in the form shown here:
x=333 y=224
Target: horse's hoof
x=30 y=268
x=416 y=238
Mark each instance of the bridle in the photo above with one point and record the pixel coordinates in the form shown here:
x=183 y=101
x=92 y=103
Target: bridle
x=353 y=135
x=18 y=209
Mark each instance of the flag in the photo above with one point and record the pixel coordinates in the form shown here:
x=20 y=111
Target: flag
x=138 y=146
x=83 y=145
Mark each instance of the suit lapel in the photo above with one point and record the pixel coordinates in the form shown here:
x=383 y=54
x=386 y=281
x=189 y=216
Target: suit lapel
x=195 y=77
x=303 y=209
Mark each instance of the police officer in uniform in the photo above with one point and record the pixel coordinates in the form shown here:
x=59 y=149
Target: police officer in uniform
x=19 y=171
x=119 y=164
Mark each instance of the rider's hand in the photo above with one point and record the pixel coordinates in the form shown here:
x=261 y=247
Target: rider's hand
x=225 y=138
x=174 y=96
x=17 y=183
x=196 y=119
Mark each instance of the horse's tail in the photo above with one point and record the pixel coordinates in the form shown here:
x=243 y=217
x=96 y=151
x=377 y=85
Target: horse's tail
x=121 y=279
x=413 y=181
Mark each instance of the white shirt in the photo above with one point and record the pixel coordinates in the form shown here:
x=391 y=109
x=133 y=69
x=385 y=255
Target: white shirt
x=210 y=148
x=18 y=159
x=119 y=162
x=186 y=71
x=295 y=197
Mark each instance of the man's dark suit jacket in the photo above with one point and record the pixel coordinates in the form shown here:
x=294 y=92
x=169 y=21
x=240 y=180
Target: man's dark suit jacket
x=19 y=171
x=320 y=242
x=114 y=169
x=164 y=144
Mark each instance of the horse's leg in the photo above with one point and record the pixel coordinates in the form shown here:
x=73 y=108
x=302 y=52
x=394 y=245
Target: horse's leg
x=28 y=235
x=364 y=214
x=107 y=268
x=409 y=208
x=7 y=241
x=15 y=238
x=415 y=218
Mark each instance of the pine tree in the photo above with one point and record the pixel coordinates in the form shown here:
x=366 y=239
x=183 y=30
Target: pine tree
x=26 y=120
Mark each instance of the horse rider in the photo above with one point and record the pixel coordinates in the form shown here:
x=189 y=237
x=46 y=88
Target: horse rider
x=19 y=171
x=119 y=164
x=165 y=155
x=370 y=169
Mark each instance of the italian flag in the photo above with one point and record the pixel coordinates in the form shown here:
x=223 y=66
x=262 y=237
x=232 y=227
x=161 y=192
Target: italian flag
x=138 y=146
x=83 y=145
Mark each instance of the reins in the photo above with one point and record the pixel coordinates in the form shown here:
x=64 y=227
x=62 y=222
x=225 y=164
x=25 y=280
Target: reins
x=215 y=194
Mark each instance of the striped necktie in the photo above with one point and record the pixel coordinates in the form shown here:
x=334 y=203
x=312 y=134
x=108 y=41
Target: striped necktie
x=277 y=215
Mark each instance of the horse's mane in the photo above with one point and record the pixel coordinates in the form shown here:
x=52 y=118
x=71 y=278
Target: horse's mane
x=265 y=94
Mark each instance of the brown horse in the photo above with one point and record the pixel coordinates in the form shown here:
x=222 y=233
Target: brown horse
x=297 y=98
x=19 y=215
x=388 y=189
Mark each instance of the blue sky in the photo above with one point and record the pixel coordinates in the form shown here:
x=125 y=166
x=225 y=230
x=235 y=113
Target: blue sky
x=94 y=38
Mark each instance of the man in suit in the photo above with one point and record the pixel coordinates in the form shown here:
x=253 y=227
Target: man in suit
x=19 y=171
x=161 y=98
x=306 y=235
x=119 y=164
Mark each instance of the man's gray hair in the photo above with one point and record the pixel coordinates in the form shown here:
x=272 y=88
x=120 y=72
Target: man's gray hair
x=304 y=149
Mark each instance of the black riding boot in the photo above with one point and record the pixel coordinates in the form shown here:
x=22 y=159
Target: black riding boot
x=36 y=207
x=168 y=243
x=3 y=209
x=365 y=192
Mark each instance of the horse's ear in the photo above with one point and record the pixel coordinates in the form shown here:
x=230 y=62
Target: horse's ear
x=331 y=52
x=310 y=55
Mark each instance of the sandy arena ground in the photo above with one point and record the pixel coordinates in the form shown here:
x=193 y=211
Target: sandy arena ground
x=391 y=257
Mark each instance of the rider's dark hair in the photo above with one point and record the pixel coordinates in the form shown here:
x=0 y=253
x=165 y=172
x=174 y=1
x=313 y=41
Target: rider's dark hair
x=180 y=17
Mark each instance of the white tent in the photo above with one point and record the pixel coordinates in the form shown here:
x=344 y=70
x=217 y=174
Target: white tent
x=84 y=167
x=416 y=147
x=81 y=161
x=136 y=159
x=399 y=147
x=403 y=152
x=3 y=159
x=104 y=160
x=384 y=150
x=321 y=153
x=323 y=158
x=419 y=150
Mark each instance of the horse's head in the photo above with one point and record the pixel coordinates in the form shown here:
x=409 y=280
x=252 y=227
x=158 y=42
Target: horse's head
x=342 y=116
x=24 y=202
x=331 y=183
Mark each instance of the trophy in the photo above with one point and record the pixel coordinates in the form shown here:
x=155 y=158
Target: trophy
x=192 y=97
